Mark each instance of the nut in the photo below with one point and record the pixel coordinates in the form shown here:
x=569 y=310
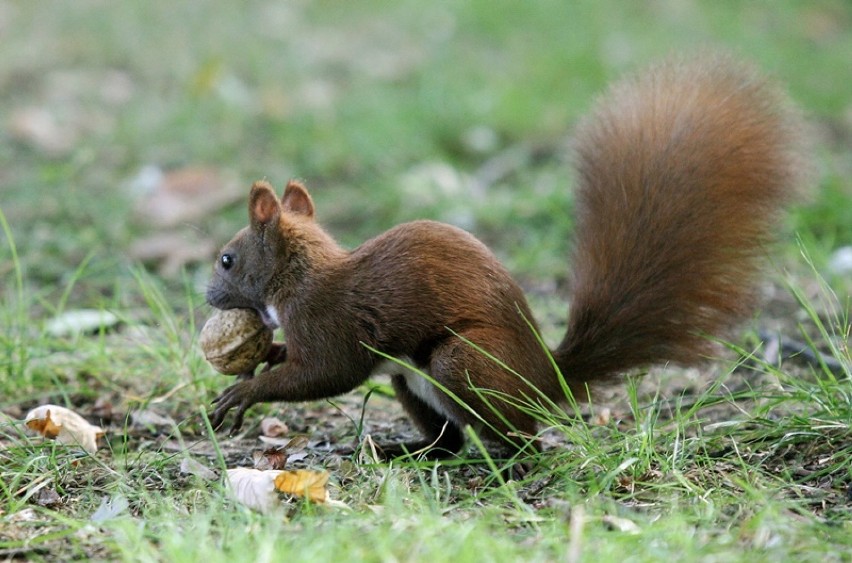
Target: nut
x=235 y=341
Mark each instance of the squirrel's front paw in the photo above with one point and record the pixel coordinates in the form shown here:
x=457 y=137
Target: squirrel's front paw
x=238 y=395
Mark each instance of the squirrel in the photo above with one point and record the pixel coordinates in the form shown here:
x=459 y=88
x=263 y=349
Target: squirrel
x=683 y=172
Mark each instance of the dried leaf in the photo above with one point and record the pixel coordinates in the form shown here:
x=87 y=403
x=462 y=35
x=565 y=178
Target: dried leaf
x=281 y=451
x=296 y=457
x=64 y=425
x=273 y=427
x=271 y=458
x=304 y=483
x=186 y=195
x=627 y=483
x=48 y=497
x=171 y=251
x=190 y=466
x=253 y=488
x=297 y=444
x=274 y=442
x=602 y=417
x=291 y=445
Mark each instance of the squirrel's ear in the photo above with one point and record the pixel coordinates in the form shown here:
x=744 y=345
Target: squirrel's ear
x=297 y=200
x=263 y=204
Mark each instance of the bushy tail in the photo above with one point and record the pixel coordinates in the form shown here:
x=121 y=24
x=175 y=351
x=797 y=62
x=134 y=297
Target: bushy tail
x=683 y=172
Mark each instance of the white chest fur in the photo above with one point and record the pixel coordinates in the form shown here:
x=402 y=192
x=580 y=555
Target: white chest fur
x=417 y=384
x=273 y=314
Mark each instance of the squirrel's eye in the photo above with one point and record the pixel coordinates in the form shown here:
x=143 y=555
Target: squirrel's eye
x=227 y=261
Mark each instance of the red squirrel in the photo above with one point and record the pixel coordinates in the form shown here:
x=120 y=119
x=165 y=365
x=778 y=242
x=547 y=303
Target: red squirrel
x=683 y=173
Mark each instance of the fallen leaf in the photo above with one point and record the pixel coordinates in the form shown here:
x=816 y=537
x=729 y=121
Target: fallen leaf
x=271 y=458
x=48 y=498
x=602 y=417
x=64 y=425
x=297 y=444
x=627 y=483
x=170 y=251
x=259 y=490
x=273 y=427
x=81 y=321
x=185 y=195
x=304 y=483
x=291 y=445
x=282 y=450
x=297 y=456
x=190 y=466
x=274 y=442
x=253 y=488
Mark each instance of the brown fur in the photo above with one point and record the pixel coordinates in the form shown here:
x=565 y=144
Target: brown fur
x=683 y=172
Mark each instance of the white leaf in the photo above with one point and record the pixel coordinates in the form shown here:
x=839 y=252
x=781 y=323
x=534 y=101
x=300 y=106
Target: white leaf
x=253 y=488
x=81 y=321
x=65 y=425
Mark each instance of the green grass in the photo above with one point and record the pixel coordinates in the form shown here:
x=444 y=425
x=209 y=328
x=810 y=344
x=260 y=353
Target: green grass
x=378 y=108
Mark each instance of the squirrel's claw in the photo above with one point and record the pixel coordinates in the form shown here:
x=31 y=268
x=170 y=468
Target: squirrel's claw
x=236 y=395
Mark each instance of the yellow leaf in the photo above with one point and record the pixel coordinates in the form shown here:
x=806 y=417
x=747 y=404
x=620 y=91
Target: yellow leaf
x=303 y=483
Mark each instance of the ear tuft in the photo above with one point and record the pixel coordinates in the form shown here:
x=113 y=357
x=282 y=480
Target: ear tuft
x=264 y=207
x=296 y=200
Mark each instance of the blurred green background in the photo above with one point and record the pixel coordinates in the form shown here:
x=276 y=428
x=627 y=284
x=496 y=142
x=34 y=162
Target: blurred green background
x=457 y=111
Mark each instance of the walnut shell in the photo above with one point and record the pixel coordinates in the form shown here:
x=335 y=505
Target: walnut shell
x=235 y=341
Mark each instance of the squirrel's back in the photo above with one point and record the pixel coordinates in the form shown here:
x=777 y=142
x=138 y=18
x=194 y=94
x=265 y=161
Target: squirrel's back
x=683 y=172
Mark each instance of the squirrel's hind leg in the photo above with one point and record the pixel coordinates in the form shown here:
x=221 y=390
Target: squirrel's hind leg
x=442 y=437
x=493 y=392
